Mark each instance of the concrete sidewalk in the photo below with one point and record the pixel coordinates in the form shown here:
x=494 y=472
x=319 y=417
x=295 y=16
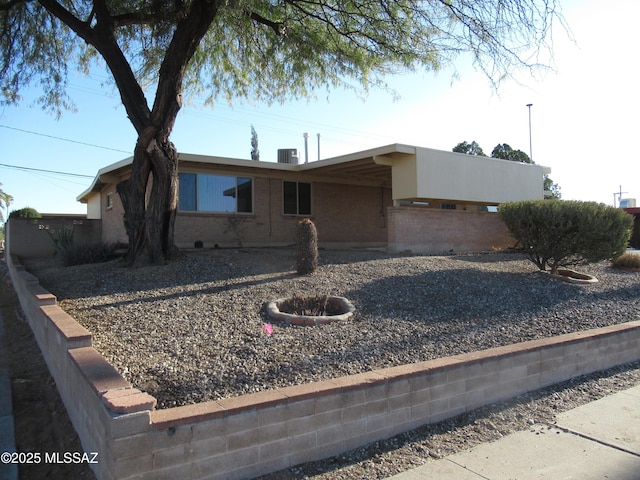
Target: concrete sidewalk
x=599 y=440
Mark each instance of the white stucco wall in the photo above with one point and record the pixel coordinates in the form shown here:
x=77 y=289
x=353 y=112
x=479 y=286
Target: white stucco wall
x=435 y=174
x=93 y=206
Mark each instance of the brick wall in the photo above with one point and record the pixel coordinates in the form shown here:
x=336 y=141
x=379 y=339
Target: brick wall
x=255 y=434
x=81 y=374
x=351 y=213
x=435 y=231
x=30 y=237
x=343 y=214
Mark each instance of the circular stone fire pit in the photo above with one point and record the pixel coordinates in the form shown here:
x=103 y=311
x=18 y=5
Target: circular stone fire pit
x=309 y=311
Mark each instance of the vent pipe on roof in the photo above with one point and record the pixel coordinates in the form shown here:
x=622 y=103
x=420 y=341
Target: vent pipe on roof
x=318 y=147
x=306 y=147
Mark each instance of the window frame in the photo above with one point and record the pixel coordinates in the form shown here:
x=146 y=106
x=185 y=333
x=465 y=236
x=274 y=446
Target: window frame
x=285 y=203
x=196 y=199
x=109 y=201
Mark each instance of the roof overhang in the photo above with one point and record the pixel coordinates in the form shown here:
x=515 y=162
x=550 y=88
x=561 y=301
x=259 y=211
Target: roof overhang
x=107 y=175
x=369 y=167
x=413 y=173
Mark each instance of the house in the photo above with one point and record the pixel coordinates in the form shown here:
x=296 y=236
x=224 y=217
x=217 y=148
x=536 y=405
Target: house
x=397 y=196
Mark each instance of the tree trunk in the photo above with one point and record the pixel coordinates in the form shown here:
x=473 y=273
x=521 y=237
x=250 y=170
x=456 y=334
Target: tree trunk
x=149 y=218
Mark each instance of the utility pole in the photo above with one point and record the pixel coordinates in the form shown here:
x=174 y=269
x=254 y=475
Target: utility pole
x=618 y=194
x=529 y=105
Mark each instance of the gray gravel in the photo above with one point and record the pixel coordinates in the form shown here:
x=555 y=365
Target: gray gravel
x=193 y=331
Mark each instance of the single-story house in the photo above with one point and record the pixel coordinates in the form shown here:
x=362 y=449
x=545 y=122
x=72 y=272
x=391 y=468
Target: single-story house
x=397 y=196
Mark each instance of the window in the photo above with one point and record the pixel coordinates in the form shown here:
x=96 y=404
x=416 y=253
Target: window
x=448 y=206
x=296 y=198
x=215 y=193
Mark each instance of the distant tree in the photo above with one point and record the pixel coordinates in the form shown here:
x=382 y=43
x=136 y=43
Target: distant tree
x=552 y=188
x=505 y=152
x=26 y=212
x=264 y=50
x=5 y=201
x=255 y=153
x=469 y=148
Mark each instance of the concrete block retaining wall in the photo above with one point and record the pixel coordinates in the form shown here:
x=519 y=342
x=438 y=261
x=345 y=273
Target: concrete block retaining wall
x=247 y=436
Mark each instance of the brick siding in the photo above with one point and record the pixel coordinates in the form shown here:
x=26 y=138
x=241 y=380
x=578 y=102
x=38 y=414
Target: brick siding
x=435 y=231
x=251 y=435
x=343 y=214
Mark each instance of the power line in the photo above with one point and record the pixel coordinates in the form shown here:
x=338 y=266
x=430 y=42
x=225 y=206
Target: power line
x=17 y=167
x=63 y=139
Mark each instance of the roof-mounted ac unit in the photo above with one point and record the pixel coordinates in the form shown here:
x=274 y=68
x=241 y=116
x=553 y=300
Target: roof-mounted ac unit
x=288 y=155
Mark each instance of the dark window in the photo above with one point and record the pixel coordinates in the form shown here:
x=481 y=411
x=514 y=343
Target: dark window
x=296 y=198
x=215 y=193
x=187 y=193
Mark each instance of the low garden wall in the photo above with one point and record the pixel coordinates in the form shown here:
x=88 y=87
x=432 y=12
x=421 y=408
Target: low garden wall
x=30 y=237
x=247 y=436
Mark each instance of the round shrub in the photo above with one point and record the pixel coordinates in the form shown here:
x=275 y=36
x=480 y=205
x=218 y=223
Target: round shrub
x=627 y=260
x=26 y=212
x=559 y=233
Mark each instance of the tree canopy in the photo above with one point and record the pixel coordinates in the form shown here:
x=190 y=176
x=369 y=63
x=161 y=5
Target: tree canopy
x=5 y=201
x=256 y=49
x=255 y=151
x=505 y=152
x=469 y=148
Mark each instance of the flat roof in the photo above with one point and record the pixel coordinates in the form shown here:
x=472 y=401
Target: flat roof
x=358 y=163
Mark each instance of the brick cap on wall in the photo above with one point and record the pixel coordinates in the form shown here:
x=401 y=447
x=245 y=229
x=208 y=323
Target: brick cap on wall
x=128 y=400
x=189 y=414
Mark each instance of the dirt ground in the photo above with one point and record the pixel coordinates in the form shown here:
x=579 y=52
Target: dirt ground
x=41 y=422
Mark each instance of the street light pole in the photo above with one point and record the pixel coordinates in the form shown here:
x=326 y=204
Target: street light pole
x=530 y=143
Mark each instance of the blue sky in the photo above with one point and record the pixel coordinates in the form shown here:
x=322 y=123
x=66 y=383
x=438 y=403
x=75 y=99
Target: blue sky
x=584 y=119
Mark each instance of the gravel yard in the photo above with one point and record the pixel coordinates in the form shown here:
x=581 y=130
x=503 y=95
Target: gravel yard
x=192 y=330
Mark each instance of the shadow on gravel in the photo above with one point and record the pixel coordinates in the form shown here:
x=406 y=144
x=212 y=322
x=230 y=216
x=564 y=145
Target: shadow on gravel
x=490 y=257
x=208 y=290
x=229 y=269
x=464 y=294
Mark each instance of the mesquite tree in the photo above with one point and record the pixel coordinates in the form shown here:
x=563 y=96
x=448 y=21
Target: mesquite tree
x=258 y=49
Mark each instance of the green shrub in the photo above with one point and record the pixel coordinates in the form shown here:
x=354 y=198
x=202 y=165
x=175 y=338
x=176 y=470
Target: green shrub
x=558 y=233
x=26 y=212
x=627 y=260
x=307 y=237
x=61 y=238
